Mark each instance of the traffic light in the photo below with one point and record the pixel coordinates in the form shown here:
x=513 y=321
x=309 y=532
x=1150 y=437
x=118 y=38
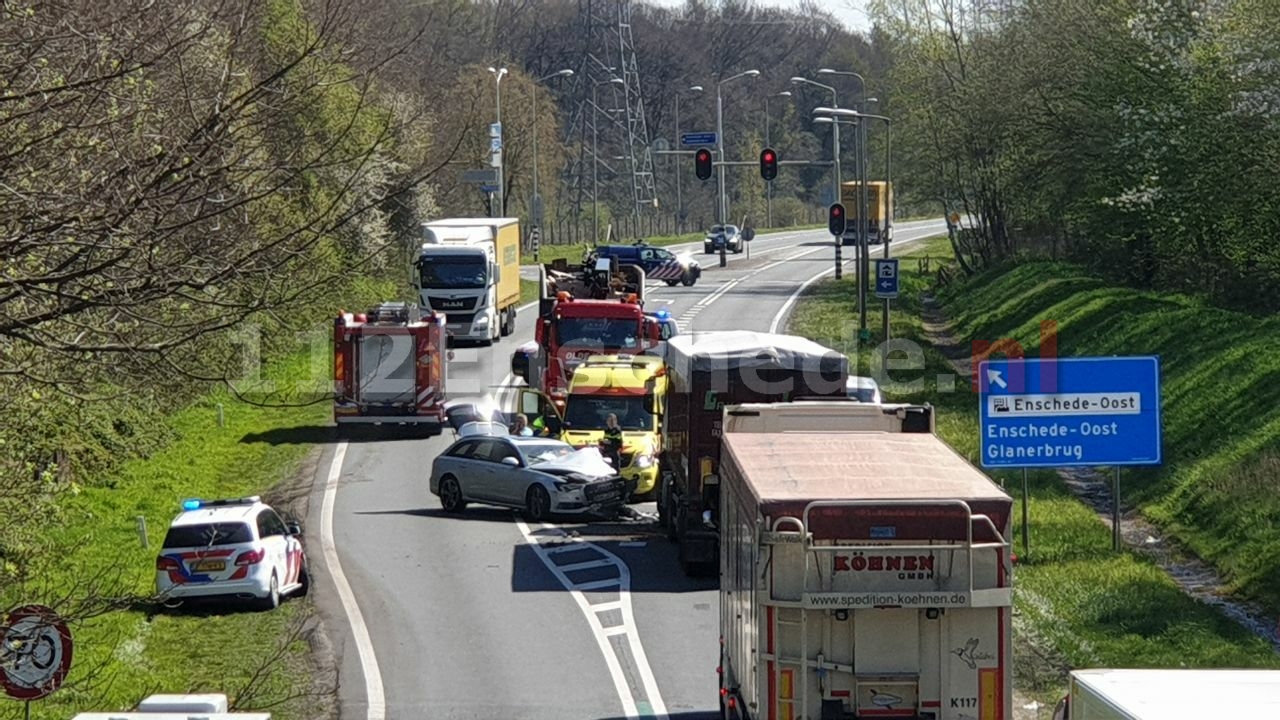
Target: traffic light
x=768 y=164
x=836 y=220
x=702 y=164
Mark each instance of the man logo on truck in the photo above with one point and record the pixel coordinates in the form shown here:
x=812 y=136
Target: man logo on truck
x=908 y=567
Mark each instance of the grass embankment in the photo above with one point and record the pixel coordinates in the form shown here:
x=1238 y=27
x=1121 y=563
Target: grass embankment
x=123 y=655
x=1079 y=604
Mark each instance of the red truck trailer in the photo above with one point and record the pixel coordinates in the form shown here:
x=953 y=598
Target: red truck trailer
x=389 y=367
x=862 y=575
x=706 y=371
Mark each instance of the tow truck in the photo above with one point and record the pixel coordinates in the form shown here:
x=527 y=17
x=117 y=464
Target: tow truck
x=863 y=572
x=584 y=310
x=389 y=367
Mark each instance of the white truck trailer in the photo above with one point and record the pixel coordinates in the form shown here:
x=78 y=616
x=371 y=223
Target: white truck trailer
x=863 y=574
x=469 y=269
x=1174 y=694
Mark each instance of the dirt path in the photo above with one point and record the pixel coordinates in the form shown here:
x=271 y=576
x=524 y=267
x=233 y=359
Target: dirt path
x=1039 y=670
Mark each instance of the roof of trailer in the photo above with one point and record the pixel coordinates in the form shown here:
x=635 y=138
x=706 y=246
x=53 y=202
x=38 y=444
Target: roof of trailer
x=788 y=468
x=723 y=349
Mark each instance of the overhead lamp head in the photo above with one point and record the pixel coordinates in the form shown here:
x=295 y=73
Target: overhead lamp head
x=785 y=93
x=695 y=88
x=752 y=73
x=565 y=73
x=826 y=71
x=796 y=79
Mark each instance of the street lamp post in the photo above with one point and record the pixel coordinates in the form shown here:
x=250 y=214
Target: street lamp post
x=536 y=209
x=860 y=163
x=768 y=188
x=887 y=232
x=496 y=208
x=595 y=157
x=679 y=197
x=724 y=197
x=835 y=157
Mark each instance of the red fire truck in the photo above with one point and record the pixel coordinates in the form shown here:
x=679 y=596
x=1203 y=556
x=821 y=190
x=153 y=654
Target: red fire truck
x=584 y=310
x=389 y=366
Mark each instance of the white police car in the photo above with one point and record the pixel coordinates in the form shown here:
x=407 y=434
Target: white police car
x=234 y=549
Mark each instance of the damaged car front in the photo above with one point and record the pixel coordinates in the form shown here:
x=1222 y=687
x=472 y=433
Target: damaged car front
x=580 y=481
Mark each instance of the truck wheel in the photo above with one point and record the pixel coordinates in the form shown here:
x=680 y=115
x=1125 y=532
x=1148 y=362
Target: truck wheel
x=508 y=322
x=673 y=519
x=537 y=503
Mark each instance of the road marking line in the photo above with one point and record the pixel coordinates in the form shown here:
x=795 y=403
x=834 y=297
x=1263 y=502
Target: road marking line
x=654 y=707
x=377 y=703
x=588 y=565
x=607 y=606
x=599 y=584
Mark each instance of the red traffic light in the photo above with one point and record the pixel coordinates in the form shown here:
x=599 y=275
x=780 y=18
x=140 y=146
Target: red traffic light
x=768 y=164
x=702 y=163
x=835 y=220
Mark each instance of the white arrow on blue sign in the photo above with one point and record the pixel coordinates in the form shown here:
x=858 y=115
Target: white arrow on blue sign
x=887 y=278
x=1069 y=412
x=703 y=138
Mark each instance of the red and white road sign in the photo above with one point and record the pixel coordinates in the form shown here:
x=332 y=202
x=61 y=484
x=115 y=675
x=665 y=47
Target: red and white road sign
x=35 y=652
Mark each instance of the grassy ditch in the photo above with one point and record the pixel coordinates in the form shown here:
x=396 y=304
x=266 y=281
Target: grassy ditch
x=1079 y=604
x=122 y=654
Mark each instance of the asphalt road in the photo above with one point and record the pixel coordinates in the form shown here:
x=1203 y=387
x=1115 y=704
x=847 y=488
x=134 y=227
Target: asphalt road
x=483 y=616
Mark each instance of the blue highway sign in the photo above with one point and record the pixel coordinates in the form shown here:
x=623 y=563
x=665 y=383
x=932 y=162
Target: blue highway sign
x=887 y=278
x=1069 y=412
x=703 y=138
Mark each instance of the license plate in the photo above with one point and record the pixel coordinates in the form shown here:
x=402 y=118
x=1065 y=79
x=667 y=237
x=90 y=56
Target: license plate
x=606 y=497
x=211 y=566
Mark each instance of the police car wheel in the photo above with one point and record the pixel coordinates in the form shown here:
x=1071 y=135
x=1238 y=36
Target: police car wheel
x=272 y=600
x=688 y=280
x=672 y=283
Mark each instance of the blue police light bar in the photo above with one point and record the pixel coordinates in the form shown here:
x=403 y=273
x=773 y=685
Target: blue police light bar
x=662 y=314
x=196 y=504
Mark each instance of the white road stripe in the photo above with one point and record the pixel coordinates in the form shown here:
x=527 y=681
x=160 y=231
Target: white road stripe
x=588 y=565
x=377 y=703
x=601 y=633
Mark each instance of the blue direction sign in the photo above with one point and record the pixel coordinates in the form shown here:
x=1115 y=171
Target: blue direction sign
x=703 y=138
x=887 y=278
x=1069 y=412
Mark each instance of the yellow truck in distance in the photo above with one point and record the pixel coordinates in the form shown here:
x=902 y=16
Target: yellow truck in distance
x=879 y=210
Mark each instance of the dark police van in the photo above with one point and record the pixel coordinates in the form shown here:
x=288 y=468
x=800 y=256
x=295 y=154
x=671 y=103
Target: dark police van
x=657 y=263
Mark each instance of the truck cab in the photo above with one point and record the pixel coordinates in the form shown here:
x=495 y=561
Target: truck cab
x=469 y=269
x=585 y=310
x=632 y=387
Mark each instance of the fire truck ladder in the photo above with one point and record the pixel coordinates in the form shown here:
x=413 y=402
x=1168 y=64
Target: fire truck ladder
x=790 y=617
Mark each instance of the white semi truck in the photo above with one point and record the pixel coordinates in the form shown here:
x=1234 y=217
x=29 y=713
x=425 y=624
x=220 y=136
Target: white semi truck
x=1173 y=694
x=469 y=269
x=865 y=568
